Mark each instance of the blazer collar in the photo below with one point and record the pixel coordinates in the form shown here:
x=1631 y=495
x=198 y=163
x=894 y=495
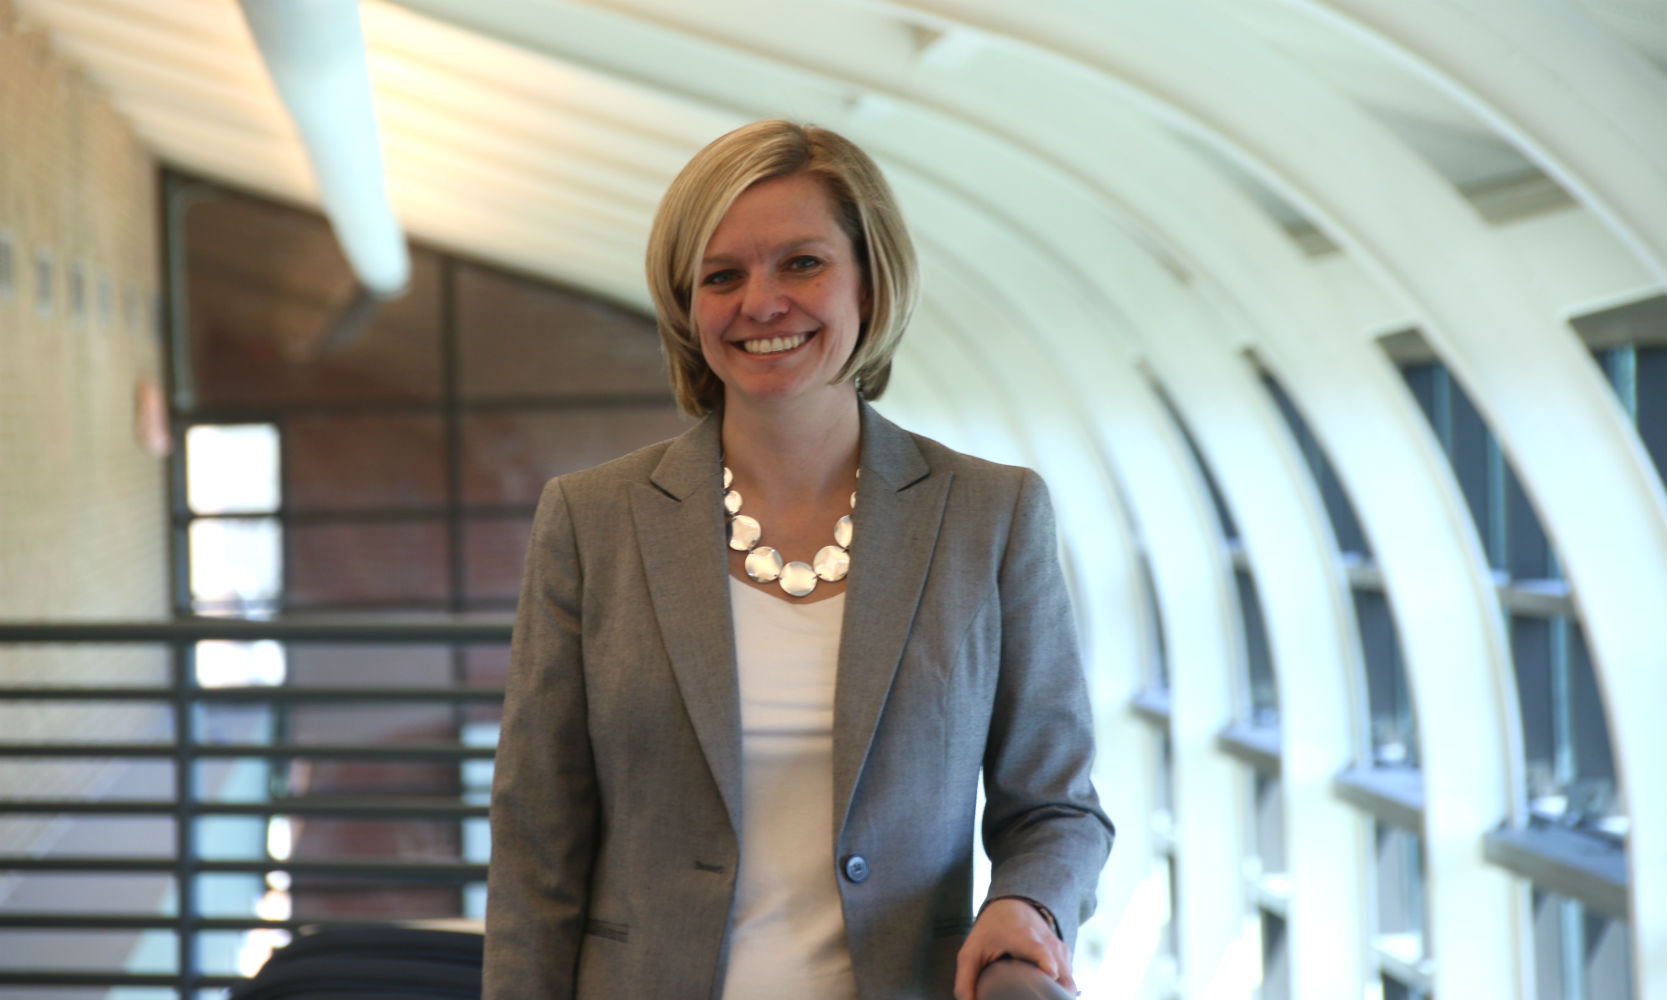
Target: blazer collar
x=680 y=532
x=692 y=459
x=887 y=451
x=680 y=525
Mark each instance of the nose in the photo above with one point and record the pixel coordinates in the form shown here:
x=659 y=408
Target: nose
x=763 y=299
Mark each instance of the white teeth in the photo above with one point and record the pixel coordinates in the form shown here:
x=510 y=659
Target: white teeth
x=773 y=345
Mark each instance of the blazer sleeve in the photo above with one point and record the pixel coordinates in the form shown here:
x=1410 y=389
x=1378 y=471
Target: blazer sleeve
x=544 y=791
x=1043 y=828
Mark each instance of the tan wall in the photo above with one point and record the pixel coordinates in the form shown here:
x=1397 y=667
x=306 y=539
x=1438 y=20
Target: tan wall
x=82 y=506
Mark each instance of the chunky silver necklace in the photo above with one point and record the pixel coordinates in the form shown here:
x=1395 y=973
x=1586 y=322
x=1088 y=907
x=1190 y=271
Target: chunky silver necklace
x=764 y=564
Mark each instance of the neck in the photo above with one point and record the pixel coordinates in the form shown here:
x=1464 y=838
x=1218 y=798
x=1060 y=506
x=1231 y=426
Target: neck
x=794 y=453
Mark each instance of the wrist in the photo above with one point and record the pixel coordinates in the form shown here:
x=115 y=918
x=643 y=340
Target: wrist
x=1045 y=913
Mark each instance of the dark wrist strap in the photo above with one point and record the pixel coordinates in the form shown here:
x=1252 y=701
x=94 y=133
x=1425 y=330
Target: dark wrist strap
x=1046 y=913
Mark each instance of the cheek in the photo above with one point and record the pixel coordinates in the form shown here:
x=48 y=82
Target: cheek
x=707 y=319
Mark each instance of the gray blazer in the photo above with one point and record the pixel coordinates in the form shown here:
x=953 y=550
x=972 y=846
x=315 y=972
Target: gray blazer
x=618 y=784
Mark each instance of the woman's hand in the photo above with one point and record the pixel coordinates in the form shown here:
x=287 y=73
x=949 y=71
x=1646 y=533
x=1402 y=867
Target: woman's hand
x=1011 y=926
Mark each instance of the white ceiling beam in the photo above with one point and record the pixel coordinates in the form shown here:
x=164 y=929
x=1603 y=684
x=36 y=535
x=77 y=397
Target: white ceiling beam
x=1585 y=107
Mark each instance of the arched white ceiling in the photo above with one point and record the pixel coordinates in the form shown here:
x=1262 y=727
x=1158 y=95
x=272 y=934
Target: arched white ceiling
x=1108 y=197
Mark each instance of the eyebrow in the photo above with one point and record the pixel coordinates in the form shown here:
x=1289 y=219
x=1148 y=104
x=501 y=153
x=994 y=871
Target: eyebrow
x=779 y=250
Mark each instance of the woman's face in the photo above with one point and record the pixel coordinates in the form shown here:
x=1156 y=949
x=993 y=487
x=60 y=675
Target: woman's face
x=779 y=297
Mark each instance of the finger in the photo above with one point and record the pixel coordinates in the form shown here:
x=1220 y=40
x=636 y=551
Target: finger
x=1040 y=952
x=966 y=973
x=1064 y=966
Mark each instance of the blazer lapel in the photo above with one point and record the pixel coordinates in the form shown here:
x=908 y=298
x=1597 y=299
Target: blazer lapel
x=680 y=530
x=900 y=504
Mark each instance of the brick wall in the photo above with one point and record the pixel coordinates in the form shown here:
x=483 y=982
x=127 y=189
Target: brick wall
x=81 y=504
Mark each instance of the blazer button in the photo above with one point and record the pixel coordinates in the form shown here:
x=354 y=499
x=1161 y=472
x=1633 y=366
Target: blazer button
x=856 y=868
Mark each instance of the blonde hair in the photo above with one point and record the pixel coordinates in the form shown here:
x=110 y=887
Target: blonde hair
x=863 y=206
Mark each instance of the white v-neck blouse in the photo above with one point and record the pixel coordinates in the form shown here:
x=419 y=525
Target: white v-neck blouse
x=788 y=937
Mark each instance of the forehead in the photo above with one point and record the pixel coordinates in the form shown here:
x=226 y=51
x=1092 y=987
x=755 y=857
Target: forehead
x=778 y=210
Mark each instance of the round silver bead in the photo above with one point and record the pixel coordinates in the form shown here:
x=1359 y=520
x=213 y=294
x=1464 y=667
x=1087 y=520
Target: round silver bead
x=764 y=564
x=798 y=578
x=729 y=477
x=732 y=502
x=744 y=532
x=832 y=563
x=842 y=531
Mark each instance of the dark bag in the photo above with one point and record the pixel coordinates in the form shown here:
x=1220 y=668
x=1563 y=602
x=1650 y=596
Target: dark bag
x=370 y=963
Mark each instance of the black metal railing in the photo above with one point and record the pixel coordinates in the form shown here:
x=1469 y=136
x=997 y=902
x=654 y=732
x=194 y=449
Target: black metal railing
x=186 y=748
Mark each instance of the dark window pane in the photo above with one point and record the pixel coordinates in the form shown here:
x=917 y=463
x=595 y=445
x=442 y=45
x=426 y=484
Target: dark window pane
x=1607 y=949
x=364 y=461
x=1276 y=959
x=1651 y=373
x=521 y=338
x=1263 y=693
x=1527 y=552
x=1531 y=653
x=1594 y=758
x=1159 y=667
x=1269 y=832
x=1229 y=529
x=1394 y=728
x=267 y=283
x=508 y=457
x=1424 y=380
x=1345 y=526
x=1478 y=466
x=351 y=564
x=494 y=551
x=1579 y=955
x=1400 y=870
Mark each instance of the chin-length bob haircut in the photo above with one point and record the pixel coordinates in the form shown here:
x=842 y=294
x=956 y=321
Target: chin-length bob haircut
x=702 y=193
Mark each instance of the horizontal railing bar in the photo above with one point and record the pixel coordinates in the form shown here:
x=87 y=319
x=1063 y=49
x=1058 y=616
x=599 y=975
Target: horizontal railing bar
x=360 y=808
x=90 y=921
x=137 y=866
x=94 y=977
x=89 y=977
x=252 y=694
x=450 y=871
x=307 y=516
x=157 y=921
x=436 y=408
x=294 y=629
x=442 y=752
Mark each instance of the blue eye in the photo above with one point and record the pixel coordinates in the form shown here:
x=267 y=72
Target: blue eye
x=723 y=277
x=802 y=262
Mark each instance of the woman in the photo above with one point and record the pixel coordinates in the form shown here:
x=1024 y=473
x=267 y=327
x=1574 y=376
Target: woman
x=728 y=769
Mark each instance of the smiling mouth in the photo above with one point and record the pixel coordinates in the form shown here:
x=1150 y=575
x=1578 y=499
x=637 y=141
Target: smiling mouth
x=773 y=345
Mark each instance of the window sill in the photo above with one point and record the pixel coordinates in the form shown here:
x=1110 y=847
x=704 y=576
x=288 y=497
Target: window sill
x=1253 y=743
x=1538 y=598
x=1401 y=958
x=1394 y=795
x=1272 y=893
x=1163 y=833
x=1567 y=862
x=1152 y=705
